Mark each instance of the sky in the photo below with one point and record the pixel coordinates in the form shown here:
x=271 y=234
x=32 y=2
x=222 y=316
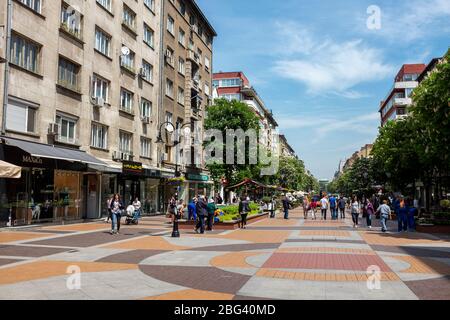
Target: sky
x=323 y=66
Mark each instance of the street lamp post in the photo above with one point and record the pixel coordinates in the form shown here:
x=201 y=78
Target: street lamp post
x=175 y=229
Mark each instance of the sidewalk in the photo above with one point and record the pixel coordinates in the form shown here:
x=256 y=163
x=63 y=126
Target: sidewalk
x=272 y=259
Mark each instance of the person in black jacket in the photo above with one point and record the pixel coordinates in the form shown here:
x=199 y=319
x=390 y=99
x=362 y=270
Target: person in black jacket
x=244 y=209
x=201 y=214
x=286 y=204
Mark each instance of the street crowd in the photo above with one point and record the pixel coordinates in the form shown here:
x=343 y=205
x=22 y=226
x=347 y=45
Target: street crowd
x=370 y=208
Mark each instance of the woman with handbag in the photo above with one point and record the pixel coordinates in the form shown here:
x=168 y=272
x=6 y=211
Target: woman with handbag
x=370 y=211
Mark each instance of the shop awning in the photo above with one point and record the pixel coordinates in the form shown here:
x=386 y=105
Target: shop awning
x=109 y=166
x=8 y=170
x=51 y=152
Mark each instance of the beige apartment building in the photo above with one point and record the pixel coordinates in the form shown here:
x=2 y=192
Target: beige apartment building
x=84 y=104
x=186 y=93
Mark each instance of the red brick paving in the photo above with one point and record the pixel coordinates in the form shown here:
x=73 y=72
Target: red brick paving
x=325 y=261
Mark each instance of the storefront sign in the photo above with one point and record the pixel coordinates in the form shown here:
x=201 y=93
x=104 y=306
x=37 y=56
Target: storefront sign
x=197 y=177
x=32 y=160
x=132 y=167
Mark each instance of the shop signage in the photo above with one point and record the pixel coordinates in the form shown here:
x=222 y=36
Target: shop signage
x=32 y=160
x=197 y=177
x=129 y=167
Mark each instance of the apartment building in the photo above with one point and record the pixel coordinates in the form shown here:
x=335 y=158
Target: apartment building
x=235 y=85
x=364 y=152
x=83 y=105
x=396 y=103
x=285 y=148
x=186 y=93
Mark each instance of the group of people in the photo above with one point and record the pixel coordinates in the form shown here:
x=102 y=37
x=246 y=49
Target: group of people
x=116 y=209
x=403 y=208
x=202 y=209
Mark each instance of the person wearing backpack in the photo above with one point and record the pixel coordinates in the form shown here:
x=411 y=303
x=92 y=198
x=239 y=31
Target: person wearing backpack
x=244 y=209
x=341 y=205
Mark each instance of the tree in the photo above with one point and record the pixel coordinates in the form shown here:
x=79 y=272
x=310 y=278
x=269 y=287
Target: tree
x=231 y=115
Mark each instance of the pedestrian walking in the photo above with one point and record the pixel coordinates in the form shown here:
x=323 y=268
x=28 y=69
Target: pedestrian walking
x=402 y=216
x=108 y=206
x=370 y=211
x=192 y=211
x=333 y=209
x=210 y=209
x=286 y=204
x=244 y=209
x=385 y=211
x=324 y=207
x=313 y=209
x=273 y=207
x=341 y=205
x=355 y=209
x=411 y=216
x=116 y=213
x=201 y=214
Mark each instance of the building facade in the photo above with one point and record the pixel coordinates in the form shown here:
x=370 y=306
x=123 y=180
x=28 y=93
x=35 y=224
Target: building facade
x=396 y=103
x=84 y=105
x=236 y=86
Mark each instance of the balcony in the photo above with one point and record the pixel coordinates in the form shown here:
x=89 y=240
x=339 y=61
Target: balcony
x=196 y=85
x=402 y=101
x=194 y=57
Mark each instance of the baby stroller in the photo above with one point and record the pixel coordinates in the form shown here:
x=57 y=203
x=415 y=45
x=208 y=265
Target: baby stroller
x=132 y=215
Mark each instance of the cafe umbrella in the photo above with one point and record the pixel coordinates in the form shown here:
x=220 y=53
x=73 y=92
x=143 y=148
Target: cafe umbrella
x=8 y=170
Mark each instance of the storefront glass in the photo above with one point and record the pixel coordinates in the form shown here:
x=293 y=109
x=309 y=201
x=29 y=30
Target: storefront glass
x=149 y=196
x=69 y=202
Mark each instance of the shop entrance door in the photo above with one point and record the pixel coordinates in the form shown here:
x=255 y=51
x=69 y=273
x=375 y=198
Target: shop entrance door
x=130 y=190
x=92 y=197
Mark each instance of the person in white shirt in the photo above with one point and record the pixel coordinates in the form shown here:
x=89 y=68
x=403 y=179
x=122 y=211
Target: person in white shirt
x=324 y=206
x=355 y=209
x=137 y=206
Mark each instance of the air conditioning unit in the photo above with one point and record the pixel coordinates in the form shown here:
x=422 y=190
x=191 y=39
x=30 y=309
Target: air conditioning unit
x=98 y=101
x=142 y=73
x=122 y=156
x=145 y=119
x=53 y=129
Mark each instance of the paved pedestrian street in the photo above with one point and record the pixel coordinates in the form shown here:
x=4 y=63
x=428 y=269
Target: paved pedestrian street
x=271 y=259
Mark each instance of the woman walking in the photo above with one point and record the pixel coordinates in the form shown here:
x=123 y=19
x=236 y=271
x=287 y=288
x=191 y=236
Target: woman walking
x=403 y=210
x=370 y=211
x=244 y=209
x=108 y=206
x=355 y=209
x=116 y=213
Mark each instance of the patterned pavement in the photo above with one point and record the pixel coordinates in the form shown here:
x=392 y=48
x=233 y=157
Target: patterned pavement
x=272 y=259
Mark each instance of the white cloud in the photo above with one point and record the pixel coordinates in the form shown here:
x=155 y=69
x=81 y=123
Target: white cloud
x=324 y=126
x=328 y=66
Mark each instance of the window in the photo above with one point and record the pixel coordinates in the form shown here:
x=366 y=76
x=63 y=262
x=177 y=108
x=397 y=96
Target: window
x=148 y=35
x=146 y=108
x=168 y=117
x=191 y=45
x=146 y=145
x=125 y=142
x=230 y=83
x=230 y=97
x=207 y=91
x=127 y=62
x=200 y=31
x=129 y=17
x=199 y=52
x=25 y=53
x=71 y=20
x=147 y=69
x=169 y=88
x=182 y=8
x=126 y=100
x=180 y=97
x=215 y=83
x=170 y=25
x=20 y=116
x=100 y=88
x=408 y=92
x=181 y=68
x=182 y=37
x=68 y=74
x=34 y=5
x=102 y=42
x=105 y=4
x=150 y=4
x=99 y=136
x=67 y=128
x=207 y=63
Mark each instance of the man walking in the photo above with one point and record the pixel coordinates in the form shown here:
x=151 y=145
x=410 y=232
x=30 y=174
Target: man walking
x=324 y=207
x=201 y=214
x=384 y=211
x=285 y=201
x=211 y=209
x=341 y=205
x=332 y=202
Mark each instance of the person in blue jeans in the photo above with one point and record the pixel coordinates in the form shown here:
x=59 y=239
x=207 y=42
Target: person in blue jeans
x=285 y=202
x=384 y=211
x=402 y=216
x=412 y=212
x=333 y=210
x=192 y=210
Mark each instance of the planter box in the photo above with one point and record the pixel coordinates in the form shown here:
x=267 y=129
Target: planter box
x=227 y=225
x=433 y=228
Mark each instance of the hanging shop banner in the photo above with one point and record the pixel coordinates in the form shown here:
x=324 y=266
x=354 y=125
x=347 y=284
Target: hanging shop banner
x=197 y=177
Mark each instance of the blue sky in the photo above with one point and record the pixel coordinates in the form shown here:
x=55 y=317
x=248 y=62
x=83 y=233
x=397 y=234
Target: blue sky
x=319 y=67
